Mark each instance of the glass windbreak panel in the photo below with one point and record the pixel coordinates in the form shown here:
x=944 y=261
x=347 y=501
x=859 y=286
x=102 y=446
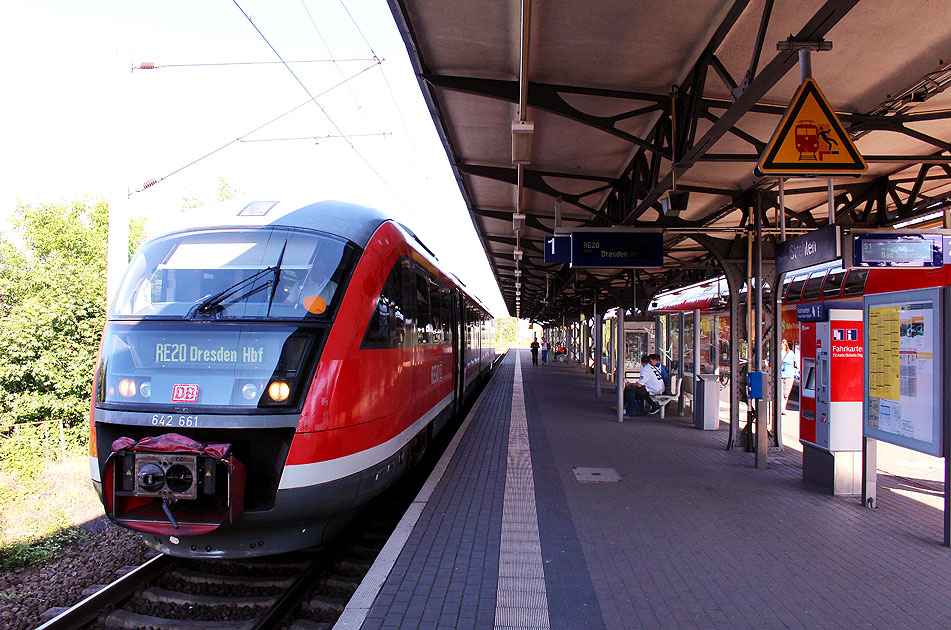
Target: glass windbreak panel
x=159 y=365
x=269 y=273
x=688 y=344
x=833 y=284
x=673 y=343
x=855 y=282
x=813 y=288
x=708 y=348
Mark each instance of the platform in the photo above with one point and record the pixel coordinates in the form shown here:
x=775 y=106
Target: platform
x=691 y=535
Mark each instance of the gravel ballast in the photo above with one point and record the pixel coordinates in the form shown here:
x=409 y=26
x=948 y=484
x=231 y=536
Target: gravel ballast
x=26 y=593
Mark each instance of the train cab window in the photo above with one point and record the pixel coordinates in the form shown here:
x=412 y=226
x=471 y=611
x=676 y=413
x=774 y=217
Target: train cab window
x=424 y=322
x=833 y=284
x=855 y=282
x=386 y=327
x=813 y=288
x=795 y=289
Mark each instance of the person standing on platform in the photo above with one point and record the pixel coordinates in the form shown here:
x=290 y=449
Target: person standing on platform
x=534 y=348
x=544 y=351
x=789 y=371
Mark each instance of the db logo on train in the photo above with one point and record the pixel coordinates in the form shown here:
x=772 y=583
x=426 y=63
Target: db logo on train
x=185 y=393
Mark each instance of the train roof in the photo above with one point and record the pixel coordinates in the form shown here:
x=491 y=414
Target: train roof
x=351 y=221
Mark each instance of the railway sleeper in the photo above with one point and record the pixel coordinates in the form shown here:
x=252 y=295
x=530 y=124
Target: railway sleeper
x=165 y=596
x=133 y=621
x=322 y=605
x=200 y=577
x=341 y=585
x=352 y=567
x=307 y=624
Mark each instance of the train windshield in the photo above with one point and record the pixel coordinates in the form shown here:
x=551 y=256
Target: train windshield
x=270 y=273
x=171 y=364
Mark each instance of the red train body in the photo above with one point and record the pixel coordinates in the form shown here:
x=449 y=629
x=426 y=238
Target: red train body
x=262 y=378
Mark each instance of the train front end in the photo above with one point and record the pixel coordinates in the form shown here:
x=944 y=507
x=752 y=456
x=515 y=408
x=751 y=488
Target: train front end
x=205 y=364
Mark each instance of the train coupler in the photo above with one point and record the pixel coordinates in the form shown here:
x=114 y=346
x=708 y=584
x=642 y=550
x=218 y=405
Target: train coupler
x=171 y=483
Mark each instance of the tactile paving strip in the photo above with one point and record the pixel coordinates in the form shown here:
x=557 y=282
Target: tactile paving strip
x=522 y=597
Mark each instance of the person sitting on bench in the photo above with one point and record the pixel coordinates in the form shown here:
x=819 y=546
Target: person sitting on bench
x=649 y=384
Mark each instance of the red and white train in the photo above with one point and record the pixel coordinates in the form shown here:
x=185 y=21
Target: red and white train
x=262 y=376
x=828 y=282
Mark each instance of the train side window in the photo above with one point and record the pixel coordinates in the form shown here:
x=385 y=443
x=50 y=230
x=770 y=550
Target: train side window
x=833 y=284
x=445 y=302
x=795 y=289
x=855 y=282
x=386 y=327
x=435 y=312
x=424 y=323
x=786 y=283
x=813 y=288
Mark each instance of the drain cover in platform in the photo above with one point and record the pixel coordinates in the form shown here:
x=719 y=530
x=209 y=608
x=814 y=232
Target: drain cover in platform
x=586 y=475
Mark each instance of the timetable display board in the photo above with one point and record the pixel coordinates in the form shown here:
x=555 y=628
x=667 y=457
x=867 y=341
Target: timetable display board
x=903 y=367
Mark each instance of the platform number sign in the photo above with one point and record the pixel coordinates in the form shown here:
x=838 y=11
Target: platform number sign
x=557 y=249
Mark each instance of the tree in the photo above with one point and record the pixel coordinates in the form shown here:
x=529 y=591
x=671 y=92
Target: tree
x=52 y=309
x=506 y=330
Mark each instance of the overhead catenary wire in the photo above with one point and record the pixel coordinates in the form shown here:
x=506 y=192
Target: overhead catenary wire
x=323 y=111
x=386 y=81
x=240 y=138
x=149 y=65
x=318 y=138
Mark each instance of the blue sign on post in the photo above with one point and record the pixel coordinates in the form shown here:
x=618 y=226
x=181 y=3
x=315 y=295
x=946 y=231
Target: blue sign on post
x=617 y=249
x=816 y=247
x=818 y=312
x=557 y=249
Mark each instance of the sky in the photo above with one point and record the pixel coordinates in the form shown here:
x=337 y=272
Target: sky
x=77 y=122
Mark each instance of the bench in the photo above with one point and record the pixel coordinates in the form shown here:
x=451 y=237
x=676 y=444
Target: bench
x=665 y=399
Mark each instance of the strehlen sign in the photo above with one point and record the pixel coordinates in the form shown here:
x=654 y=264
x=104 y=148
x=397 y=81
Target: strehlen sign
x=617 y=249
x=809 y=249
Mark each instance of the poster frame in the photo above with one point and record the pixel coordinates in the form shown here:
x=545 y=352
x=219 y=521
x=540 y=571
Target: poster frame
x=935 y=295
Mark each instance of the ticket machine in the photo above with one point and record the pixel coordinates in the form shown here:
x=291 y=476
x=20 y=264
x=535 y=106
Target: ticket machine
x=831 y=386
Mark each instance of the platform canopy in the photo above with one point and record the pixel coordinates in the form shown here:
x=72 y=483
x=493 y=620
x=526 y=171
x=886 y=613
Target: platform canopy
x=600 y=82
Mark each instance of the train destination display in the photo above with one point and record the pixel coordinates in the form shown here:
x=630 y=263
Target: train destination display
x=897 y=250
x=903 y=364
x=618 y=249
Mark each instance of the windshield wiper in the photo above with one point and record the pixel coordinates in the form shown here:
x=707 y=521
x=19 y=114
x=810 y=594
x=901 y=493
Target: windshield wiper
x=210 y=303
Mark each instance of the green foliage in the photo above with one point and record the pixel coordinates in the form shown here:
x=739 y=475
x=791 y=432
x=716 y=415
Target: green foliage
x=506 y=330
x=226 y=192
x=23 y=554
x=53 y=289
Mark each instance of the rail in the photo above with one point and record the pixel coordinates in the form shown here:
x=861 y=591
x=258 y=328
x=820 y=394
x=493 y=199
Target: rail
x=108 y=597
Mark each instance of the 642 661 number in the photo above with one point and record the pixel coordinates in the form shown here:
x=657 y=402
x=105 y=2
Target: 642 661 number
x=169 y=420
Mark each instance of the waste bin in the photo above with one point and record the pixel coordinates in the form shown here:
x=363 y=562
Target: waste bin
x=706 y=402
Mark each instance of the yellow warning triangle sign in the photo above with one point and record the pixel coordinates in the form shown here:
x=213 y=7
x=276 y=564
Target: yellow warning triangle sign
x=810 y=140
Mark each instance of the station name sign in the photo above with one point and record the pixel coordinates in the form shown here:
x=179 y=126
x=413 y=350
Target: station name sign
x=818 y=246
x=617 y=249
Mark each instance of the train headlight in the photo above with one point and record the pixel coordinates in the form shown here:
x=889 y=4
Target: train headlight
x=279 y=391
x=249 y=391
x=145 y=389
x=127 y=387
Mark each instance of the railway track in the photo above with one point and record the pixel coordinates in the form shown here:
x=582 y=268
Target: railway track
x=304 y=591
